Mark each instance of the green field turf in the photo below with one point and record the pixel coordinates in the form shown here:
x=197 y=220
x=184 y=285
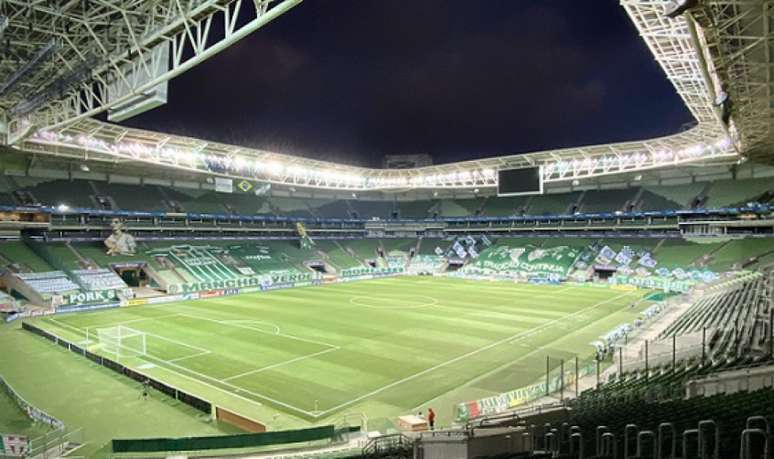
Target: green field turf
x=382 y=347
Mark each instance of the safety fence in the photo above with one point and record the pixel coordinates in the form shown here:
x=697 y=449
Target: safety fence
x=241 y=441
x=560 y=376
x=31 y=411
x=52 y=443
x=174 y=392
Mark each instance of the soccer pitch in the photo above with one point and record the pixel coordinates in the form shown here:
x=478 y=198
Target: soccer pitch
x=382 y=347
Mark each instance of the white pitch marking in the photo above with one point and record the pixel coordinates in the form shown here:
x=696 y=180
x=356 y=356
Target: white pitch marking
x=198 y=354
x=297 y=338
x=465 y=356
x=280 y=364
x=233 y=388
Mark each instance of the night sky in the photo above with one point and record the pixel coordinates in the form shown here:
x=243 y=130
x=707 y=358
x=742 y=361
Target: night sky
x=353 y=80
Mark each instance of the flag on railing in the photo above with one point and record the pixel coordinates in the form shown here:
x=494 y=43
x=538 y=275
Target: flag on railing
x=14 y=445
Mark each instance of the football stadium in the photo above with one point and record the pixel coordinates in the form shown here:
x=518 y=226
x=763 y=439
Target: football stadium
x=168 y=295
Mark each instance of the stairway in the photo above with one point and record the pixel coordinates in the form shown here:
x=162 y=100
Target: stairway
x=578 y=205
x=84 y=262
x=635 y=202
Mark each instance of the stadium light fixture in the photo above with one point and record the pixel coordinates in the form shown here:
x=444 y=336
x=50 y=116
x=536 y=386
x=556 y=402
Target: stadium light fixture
x=677 y=7
x=723 y=102
x=63 y=208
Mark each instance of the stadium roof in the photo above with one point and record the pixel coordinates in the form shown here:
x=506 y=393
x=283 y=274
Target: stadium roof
x=716 y=55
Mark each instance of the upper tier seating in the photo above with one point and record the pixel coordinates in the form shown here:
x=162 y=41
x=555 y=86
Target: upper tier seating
x=147 y=197
x=682 y=195
x=552 y=203
x=606 y=200
x=724 y=193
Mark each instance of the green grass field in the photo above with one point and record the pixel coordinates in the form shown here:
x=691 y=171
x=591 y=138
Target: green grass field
x=381 y=347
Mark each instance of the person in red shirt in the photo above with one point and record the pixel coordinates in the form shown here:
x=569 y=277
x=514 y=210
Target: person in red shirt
x=431 y=418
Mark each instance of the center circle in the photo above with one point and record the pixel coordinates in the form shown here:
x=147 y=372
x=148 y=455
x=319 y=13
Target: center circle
x=394 y=301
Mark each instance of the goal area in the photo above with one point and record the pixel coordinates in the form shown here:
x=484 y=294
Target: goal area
x=120 y=340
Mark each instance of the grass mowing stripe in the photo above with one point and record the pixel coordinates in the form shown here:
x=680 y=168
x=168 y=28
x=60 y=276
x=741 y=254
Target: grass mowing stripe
x=465 y=356
x=521 y=358
x=277 y=365
x=297 y=338
x=254 y=355
x=164 y=363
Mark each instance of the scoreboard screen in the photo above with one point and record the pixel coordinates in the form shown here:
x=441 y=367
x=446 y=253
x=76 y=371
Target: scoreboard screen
x=514 y=182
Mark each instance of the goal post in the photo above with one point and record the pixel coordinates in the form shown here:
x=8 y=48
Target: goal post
x=120 y=341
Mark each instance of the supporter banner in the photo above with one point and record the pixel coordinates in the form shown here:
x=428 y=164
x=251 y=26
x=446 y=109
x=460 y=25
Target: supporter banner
x=606 y=256
x=86 y=307
x=625 y=256
x=277 y=286
x=173 y=298
x=30 y=313
x=31 y=412
x=526 y=260
x=459 y=250
x=224 y=185
x=238 y=283
x=654 y=282
x=512 y=399
x=647 y=261
x=14 y=445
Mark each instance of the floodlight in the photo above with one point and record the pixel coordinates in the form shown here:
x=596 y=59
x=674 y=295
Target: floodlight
x=678 y=7
x=62 y=207
x=723 y=102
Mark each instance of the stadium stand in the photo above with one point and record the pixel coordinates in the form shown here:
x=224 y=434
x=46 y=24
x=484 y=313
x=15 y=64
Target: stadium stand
x=724 y=193
x=18 y=257
x=505 y=206
x=371 y=209
x=121 y=196
x=552 y=204
x=330 y=209
x=606 y=200
x=682 y=195
x=416 y=209
x=136 y=197
x=48 y=283
x=455 y=208
x=97 y=279
x=337 y=254
x=740 y=253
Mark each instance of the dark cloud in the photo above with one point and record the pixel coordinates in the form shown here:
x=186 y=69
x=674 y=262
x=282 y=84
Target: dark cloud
x=353 y=80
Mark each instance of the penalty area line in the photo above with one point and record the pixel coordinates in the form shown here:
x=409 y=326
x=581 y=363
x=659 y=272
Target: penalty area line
x=235 y=390
x=280 y=364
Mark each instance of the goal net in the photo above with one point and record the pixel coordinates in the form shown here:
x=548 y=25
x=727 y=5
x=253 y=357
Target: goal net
x=121 y=341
